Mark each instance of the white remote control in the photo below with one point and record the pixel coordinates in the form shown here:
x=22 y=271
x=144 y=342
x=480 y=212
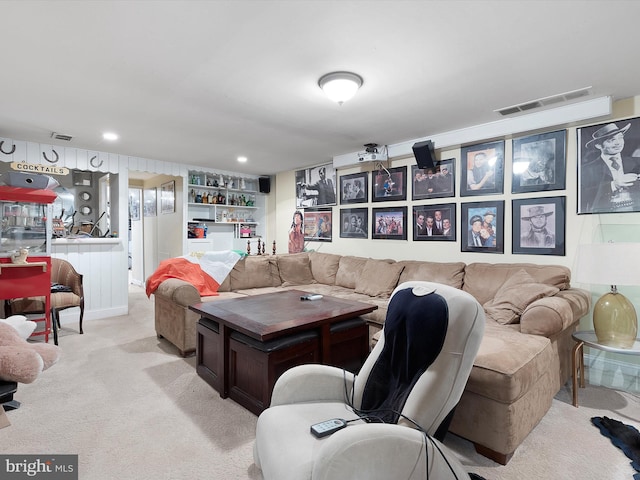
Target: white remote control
x=310 y=297
x=328 y=427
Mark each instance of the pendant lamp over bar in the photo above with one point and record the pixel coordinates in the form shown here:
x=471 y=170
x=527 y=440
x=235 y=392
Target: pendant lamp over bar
x=340 y=86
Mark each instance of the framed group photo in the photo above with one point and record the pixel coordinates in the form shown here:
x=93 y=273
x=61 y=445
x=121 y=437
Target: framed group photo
x=389 y=184
x=434 y=222
x=354 y=223
x=389 y=223
x=437 y=182
x=354 y=188
x=609 y=167
x=318 y=225
x=539 y=226
x=316 y=187
x=539 y=162
x=482 y=227
x=482 y=169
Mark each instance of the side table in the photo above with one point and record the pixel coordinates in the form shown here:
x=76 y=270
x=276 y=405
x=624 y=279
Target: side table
x=589 y=339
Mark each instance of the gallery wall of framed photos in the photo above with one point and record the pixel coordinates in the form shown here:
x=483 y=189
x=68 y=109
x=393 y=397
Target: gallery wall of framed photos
x=544 y=195
x=406 y=202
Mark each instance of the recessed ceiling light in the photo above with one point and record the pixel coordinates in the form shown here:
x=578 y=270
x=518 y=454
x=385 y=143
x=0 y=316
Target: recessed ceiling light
x=110 y=136
x=242 y=159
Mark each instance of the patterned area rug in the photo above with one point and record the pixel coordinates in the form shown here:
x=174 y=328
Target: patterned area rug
x=625 y=437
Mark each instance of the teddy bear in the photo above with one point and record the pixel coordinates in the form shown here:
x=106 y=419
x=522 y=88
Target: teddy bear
x=22 y=361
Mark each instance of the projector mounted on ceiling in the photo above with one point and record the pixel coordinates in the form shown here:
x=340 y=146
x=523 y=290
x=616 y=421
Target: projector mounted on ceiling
x=373 y=153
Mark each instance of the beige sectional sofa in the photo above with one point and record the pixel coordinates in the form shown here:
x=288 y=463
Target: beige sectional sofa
x=524 y=358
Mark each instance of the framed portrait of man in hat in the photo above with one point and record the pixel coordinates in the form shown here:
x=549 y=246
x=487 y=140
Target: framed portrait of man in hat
x=482 y=227
x=609 y=167
x=539 y=226
x=539 y=162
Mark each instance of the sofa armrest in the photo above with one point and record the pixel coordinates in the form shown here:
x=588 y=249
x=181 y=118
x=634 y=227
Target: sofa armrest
x=550 y=315
x=179 y=292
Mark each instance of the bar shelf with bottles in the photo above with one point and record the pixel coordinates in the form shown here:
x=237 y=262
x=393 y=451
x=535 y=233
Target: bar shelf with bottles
x=215 y=200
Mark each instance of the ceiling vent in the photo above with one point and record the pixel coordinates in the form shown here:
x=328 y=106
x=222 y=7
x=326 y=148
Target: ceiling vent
x=544 y=102
x=60 y=136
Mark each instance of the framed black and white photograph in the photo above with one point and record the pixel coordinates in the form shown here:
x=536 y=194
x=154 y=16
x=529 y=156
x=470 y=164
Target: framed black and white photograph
x=134 y=205
x=434 y=222
x=150 y=202
x=168 y=197
x=389 y=184
x=354 y=223
x=539 y=226
x=318 y=225
x=609 y=167
x=354 y=188
x=482 y=227
x=436 y=182
x=316 y=187
x=539 y=162
x=482 y=169
x=389 y=223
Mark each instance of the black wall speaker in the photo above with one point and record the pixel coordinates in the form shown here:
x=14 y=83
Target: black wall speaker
x=265 y=184
x=423 y=151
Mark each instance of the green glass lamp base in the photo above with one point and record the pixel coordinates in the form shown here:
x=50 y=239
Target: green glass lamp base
x=615 y=321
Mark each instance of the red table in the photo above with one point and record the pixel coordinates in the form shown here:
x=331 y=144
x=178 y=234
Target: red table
x=32 y=279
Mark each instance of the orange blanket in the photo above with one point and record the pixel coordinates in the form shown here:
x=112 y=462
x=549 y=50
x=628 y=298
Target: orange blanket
x=184 y=270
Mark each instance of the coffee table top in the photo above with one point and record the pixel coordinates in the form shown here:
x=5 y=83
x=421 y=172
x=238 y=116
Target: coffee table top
x=271 y=315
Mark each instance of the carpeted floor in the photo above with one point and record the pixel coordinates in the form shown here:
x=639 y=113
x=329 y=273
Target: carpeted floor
x=131 y=408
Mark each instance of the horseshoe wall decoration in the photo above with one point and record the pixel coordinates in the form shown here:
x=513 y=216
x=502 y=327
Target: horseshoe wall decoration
x=93 y=164
x=44 y=154
x=13 y=149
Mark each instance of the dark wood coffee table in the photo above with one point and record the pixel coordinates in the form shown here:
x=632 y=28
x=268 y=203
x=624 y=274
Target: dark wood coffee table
x=245 y=344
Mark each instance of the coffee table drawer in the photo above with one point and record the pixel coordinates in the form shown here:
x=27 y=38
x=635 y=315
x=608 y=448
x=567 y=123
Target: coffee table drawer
x=255 y=366
x=207 y=352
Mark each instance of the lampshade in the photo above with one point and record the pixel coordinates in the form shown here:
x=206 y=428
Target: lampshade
x=340 y=86
x=614 y=317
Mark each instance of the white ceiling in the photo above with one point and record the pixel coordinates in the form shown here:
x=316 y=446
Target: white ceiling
x=201 y=82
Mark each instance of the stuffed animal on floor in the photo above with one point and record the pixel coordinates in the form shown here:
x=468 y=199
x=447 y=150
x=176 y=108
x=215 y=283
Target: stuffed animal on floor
x=24 y=327
x=22 y=361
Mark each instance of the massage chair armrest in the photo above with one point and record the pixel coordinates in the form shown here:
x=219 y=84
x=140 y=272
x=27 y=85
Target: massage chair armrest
x=312 y=383
x=179 y=292
x=383 y=451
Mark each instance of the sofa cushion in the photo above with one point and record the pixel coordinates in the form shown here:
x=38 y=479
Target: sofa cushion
x=516 y=294
x=378 y=278
x=451 y=274
x=324 y=267
x=349 y=270
x=295 y=269
x=254 y=272
x=482 y=280
x=509 y=363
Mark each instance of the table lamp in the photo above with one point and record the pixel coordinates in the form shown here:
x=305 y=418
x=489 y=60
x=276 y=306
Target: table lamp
x=614 y=317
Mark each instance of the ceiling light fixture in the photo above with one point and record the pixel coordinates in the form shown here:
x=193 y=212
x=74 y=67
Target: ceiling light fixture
x=340 y=86
x=242 y=159
x=110 y=136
